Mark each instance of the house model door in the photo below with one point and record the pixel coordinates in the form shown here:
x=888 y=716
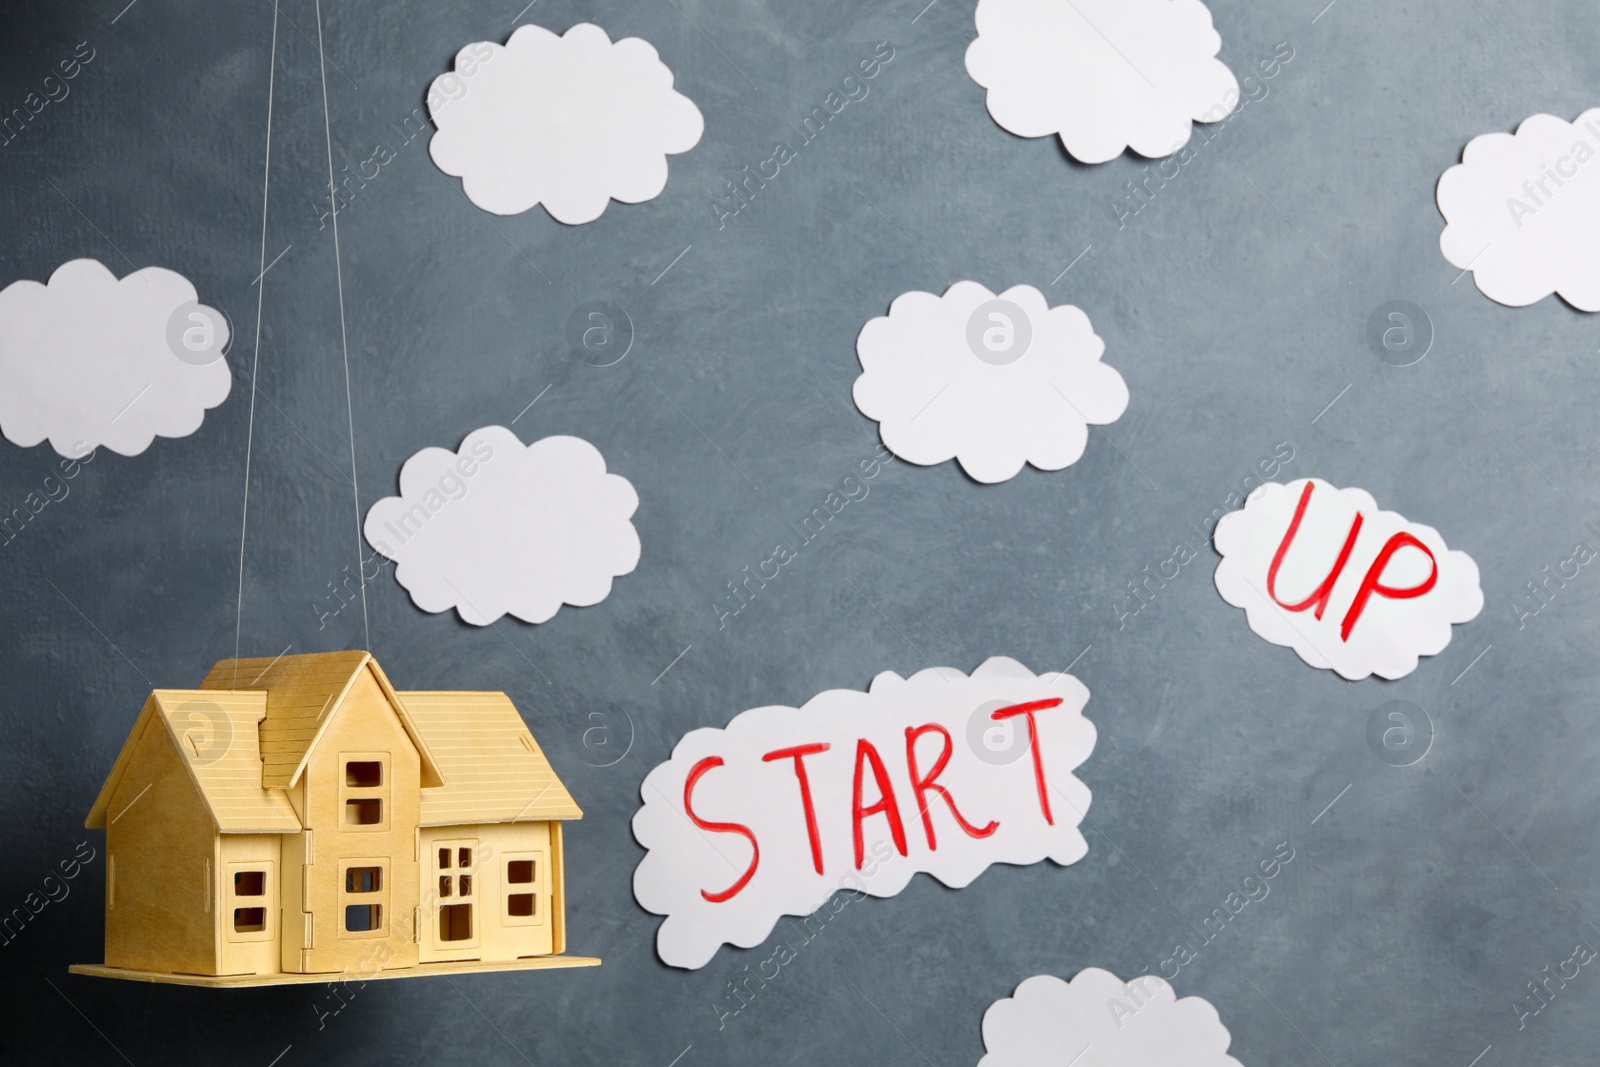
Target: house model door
x=453 y=933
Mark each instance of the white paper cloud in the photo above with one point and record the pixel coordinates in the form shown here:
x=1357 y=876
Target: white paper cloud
x=1348 y=587
x=87 y=360
x=500 y=528
x=1049 y=1023
x=732 y=848
x=994 y=382
x=570 y=122
x=1105 y=75
x=1522 y=212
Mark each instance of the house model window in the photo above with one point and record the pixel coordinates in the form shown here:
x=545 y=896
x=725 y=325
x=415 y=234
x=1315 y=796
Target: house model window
x=249 y=920
x=364 y=789
x=455 y=922
x=363 y=916
x=363 y=879
x=520 y=873
x=247 y=903
x=363 y=774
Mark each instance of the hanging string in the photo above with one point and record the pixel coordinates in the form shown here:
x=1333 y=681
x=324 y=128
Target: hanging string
x=344 y=344
x=255 y=362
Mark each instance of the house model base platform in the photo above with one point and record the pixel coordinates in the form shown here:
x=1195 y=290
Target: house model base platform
x=240 y=981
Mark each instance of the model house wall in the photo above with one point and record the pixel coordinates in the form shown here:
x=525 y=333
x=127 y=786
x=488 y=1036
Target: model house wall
x=508 y=909
x=160 y=866
x=362 y=800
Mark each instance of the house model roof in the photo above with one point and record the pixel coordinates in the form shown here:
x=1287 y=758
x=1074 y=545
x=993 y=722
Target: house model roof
x=494 y=771
x=247 y=732
x=302 y=694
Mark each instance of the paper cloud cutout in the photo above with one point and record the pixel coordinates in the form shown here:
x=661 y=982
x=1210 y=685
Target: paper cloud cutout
x=1048 y=1023
x=569 y=122
x=499 y=528
x=1522 y=212
x=87 y=360
x=1348 y=587
x=746 y=824
x=994 y=382
x=1104 y=75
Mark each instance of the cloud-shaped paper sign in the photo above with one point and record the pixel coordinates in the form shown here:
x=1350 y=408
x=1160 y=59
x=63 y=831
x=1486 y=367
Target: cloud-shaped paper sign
x=1522 y=212
x=1104 y=75
x=940 y=773
x=1348 y=587
x=1142 y=1023
x=994 y=382
x=570 y=122
x=87 y=360
x=498 y=527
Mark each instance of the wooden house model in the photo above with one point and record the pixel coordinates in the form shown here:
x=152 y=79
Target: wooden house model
x=296 y=819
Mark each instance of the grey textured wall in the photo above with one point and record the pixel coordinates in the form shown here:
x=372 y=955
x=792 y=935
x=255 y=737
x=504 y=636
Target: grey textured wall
x=1235 y=305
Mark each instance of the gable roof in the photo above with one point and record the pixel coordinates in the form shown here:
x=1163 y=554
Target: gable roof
x=215 y=736
x=494 y=771
x=245 y=747
x=302 y=692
